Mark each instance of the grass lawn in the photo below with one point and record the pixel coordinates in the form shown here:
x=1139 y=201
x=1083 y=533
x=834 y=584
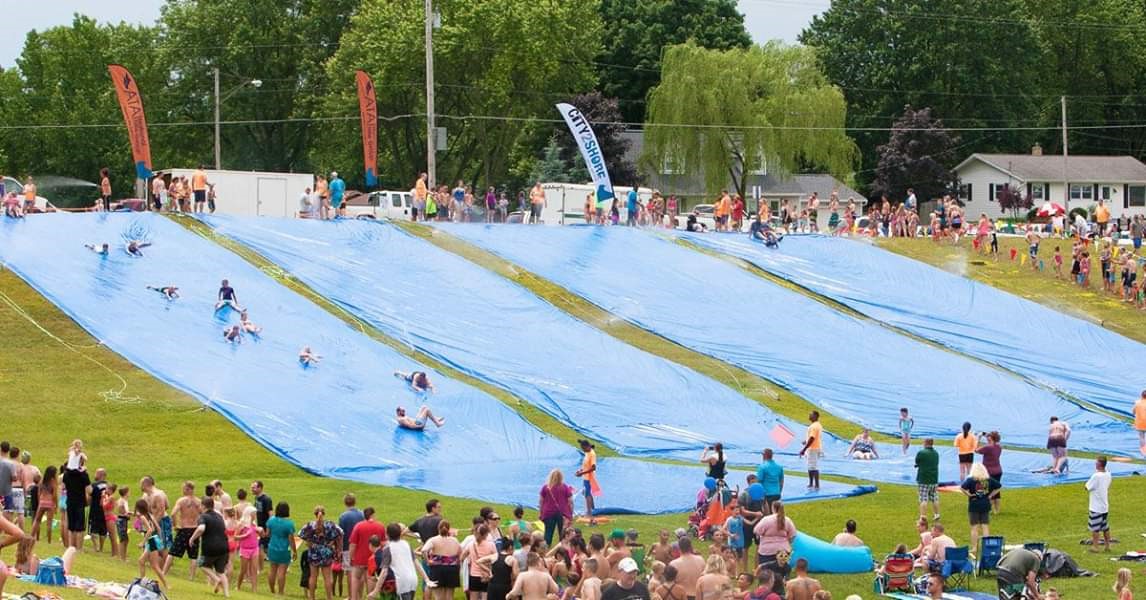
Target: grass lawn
x=1091 y=303
x=59 y=384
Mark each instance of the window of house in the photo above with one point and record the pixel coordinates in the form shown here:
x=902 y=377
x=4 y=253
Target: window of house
x=1136 y=195
x=1081 y=192
x=1038 y=192
x=965 y=192
x=997 y=190
x=761 y=167
x=1104 y=193
x=672 y=166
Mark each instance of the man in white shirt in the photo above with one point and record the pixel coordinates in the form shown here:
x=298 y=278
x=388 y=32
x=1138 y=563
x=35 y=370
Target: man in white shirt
x=1098 y=488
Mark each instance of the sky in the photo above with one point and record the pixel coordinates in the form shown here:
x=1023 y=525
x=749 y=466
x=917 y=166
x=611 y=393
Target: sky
x=765 y=19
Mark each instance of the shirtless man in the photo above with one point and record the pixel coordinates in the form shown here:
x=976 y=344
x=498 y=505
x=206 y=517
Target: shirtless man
x=233 y=335
x=185 y=513
x=801 y=587
x=307 y=358
x=158 y=505
x=418 y=423
x=597 y=551
x=591 y=584
x=662 y=549
x=1057 y=436
x=535 y=583
x=419 y=381
x=617 y=551
x=689 y=567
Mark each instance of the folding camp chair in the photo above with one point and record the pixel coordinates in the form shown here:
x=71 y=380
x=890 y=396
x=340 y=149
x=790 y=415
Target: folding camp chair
x=956 y=568
x=990 y=551
x=1040 y=547
x=897 y=574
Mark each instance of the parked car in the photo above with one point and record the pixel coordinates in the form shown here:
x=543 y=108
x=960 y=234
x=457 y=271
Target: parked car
x=387 y=204
x=42 y=204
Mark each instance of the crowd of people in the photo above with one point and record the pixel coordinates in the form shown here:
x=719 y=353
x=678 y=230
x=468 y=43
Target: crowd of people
x=241 y=541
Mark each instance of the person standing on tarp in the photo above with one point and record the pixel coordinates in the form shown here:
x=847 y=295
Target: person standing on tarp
x=813 y=449
x=337 y=190
x=588 y=475
x=104 y=190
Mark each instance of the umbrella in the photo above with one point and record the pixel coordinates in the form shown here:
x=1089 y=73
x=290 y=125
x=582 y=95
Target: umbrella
x=1050 y=209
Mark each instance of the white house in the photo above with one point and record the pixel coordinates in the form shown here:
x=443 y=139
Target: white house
x=1118 y=180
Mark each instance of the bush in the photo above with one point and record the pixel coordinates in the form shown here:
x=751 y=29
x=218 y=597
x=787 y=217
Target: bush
x=1032 y=214
x=1078 y=210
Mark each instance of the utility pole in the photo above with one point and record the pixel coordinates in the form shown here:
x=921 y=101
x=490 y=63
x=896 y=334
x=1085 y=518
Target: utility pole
x=1065 y=183
x=218 y=153
x=430 y=129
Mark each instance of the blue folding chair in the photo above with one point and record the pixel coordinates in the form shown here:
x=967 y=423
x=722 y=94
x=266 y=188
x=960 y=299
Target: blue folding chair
x=957 y=568
x=1040 y=547
x=990 y=551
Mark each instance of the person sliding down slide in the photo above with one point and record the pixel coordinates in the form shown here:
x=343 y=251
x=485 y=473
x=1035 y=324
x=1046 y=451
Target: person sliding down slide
x=863 y=447
x=760 y=230
x=169 y=291
x=133 y=248
x=233 y=335
x=417 y=423
x=227 y=297
x=307 y=358
x=419 y=381
x=102 y=250
x=247 y=325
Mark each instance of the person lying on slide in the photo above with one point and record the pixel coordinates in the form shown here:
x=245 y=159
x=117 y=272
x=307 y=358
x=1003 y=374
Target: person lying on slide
x=233 y=335
x=228 y=297
x=761 y=230
x=419 y=381
x=101 y=250
x=417 y=423
x=134 y=248
x=247 y=325
x=863 y=447
x=169 y=291
x=307 y=357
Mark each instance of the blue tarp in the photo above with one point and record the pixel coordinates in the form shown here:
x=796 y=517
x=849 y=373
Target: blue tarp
x=854 y=368
x=1065 y=352
x=335 y=419
x=636 y=402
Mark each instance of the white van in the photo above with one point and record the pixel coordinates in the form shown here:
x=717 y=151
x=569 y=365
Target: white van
x=383 y=204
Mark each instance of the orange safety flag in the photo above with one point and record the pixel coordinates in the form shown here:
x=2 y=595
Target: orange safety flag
x=131 y=104
x=368 y=110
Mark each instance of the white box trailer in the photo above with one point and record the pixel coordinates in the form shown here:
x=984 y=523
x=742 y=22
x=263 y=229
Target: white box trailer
x=565 y=202
x=252 y=193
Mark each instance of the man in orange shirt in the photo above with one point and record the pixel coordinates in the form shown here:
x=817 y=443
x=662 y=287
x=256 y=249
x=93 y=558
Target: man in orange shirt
x=1102 y=217
x=199 y=188
x=420 y=192
x=721 y=211
x=813 y=448
x=1140 y=421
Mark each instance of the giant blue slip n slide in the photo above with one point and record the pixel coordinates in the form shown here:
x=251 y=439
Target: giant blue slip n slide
x=1068 y=353
x=496 y=330
x=334 y=419
x=854 y=368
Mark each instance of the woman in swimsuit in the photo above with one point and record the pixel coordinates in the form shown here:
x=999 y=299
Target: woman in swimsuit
x=1057 y=437
x=443 y=555
x=670 y=589
x=49 y=492
x=152 y=544
x=134 y=248
x=714 y=584
x=27 y=563
x=713 y=456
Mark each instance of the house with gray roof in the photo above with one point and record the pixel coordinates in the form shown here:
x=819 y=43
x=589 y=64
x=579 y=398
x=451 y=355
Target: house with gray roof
x=1077 y=181
x=688 y=184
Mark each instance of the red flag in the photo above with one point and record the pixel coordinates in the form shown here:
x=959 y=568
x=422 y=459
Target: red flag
x=368 y=110
x=131 y=104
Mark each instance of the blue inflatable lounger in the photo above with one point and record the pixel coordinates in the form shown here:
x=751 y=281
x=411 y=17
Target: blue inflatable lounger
x=823 y=557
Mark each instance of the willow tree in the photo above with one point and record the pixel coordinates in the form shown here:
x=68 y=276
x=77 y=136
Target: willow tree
x=726 y=113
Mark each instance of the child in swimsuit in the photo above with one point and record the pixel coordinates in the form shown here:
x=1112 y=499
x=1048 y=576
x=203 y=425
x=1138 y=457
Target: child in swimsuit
x=102 y=250
x=307 y=357
x=1057 y=263
x=247 y=325
x=232 y=334
x=134 y=246
x=906 y=423
x=227 y=297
